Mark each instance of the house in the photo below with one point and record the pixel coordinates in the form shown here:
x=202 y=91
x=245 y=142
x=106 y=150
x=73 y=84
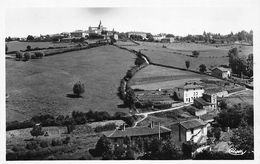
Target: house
x=221 y=72
x=143 y=132
x=203 y=104
x=142 y=34
x=159 y=37
x=218 y=91
x=167 y=40
x=78 y=33
x=193 y=130
x=189 y=92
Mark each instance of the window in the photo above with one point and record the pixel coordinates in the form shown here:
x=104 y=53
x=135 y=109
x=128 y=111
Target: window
x=192 y=131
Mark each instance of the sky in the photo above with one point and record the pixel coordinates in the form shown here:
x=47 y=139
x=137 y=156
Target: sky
x=178 y=20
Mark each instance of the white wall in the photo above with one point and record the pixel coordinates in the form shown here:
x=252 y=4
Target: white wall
x=191 y=94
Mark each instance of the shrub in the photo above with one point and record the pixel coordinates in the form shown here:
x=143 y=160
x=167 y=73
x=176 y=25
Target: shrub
x=66 y=140
x=78 y=88
x=18 y=55
x=39 y=54
x=44 y=144
x=56 y=142
x=27 y=56
x=33 y=56
x=195 y=53
x=37 y=131
x=110 y=126
x=31 y=145
x=28 y=48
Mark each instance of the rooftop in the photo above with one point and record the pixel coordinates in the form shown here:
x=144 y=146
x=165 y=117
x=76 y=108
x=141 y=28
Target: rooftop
x=191 y=124
x=202 y=101
x=222 y=69
x=138 y=131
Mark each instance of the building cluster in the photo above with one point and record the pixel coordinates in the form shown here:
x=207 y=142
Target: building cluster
x=203 y=99
x=99 y=32
x=162 y=37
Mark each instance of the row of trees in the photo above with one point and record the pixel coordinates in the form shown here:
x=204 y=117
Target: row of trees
x=240 y=118
x=152 y=149
x=239 y=65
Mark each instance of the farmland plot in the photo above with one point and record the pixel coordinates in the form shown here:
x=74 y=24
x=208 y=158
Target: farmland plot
x=41 y=86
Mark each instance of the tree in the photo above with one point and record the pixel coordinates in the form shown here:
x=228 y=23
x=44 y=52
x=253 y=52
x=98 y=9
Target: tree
x=37 y=130
x=217 y=133
x=69 y=123
x=230 y=117
x=130 y=98
x=78 y=89
x=18 y=55
x=169 y=35
x=203 y=68
x=243 y=139
x=149 y=36
x=195 y=53
x=27 y=56
x=103 y=145
x=30 y=38
x=28 y=48
x=187 y=63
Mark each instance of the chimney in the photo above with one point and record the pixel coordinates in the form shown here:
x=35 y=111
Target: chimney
x=151 y=125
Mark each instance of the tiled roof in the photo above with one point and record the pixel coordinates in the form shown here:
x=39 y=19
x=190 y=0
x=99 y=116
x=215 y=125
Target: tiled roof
x=191 y=124
x=207 y=117
x=222 y=69
x=202 y=101
x=138 y=131
x=213 y=90
x=193 y=108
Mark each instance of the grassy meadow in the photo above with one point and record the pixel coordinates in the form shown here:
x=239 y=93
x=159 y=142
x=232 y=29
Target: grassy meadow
x=41 y=86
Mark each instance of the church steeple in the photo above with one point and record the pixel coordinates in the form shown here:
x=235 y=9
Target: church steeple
x=100 y=24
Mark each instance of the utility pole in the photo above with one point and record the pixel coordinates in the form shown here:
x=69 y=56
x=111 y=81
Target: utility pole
x=159 y=131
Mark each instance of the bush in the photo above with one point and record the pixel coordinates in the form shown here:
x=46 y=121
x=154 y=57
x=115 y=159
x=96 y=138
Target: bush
x=78 y=88
x=28 y=48
x=18 y=55
x=44 y=144
x=27 y=56
x=31 y=145
x=195 y=53
x=66 y=140
x=56 y=142
x=110 y=126
x=33 y=56
x=39 y=54
x=37 y=131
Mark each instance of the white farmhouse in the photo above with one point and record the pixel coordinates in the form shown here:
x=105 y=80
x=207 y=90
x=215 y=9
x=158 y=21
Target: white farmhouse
x=194 y=130
x=189 y=92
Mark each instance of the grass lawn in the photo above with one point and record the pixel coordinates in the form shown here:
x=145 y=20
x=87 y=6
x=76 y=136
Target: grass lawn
x=40 y=86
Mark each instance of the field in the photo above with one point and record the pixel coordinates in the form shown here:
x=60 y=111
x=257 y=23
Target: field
x=81 y=139
x=154 y=77
x=175 y=54
x=41 y=86
x=16 y=46
x=245 y=97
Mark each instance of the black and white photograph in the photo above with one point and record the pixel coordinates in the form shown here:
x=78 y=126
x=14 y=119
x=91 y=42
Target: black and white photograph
x=162 y=81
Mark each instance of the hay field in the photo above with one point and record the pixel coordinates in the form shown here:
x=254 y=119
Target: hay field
x=17 y=46
x=41 y=86
x=177 y=55
x=154 y=77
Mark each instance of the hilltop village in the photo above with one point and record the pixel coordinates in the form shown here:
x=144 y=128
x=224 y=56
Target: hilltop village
x=103 y=94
